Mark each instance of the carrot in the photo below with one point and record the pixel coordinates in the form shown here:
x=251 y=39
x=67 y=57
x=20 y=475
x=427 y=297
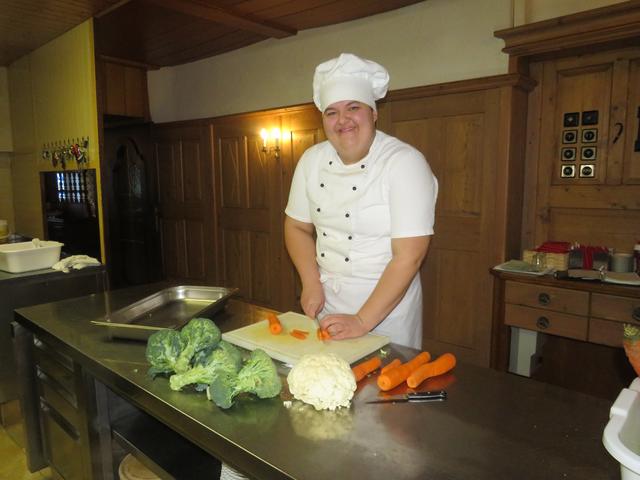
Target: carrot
x=298 y=334
x=394 y=363
x=442 y=364
x=323 y=334
x=302 y=332
x=362 y=369
x=275 y=327
x=395 y=376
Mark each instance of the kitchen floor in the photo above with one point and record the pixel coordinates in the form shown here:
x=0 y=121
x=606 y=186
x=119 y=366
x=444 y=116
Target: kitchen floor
x=13 y=463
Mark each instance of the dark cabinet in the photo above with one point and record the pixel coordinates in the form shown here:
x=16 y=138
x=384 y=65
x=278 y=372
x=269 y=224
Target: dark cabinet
x=125 y=90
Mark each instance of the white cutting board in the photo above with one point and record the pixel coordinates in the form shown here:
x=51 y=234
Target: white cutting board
x=288 y=349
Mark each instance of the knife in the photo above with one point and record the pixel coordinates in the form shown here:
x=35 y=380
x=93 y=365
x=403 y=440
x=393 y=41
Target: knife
x=414 y=397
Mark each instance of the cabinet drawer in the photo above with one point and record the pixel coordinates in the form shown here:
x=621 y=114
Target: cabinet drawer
x=611 y=307
x=61 y=445
x=605 y=332
x=59 y=399
x=56 y=372
x=553 y=323
x=548 y=298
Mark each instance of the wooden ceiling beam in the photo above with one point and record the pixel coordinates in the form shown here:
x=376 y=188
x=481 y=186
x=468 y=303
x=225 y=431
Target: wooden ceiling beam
x=225 y=17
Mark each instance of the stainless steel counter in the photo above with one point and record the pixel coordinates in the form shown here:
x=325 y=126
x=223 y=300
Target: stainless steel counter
x=494 y=425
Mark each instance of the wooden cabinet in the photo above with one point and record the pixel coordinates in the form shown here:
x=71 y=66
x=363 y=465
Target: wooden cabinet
x=125 y=90
x=590 y=312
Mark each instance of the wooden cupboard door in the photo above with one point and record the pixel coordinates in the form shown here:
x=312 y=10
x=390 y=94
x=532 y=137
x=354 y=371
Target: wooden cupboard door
x=459 y=137
x=577 y=88
x=248 y=199
x=185 y=190
x=631 y=162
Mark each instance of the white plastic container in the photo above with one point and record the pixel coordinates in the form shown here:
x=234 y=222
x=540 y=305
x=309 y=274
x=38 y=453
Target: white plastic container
x=621 y=436
x=27 y=256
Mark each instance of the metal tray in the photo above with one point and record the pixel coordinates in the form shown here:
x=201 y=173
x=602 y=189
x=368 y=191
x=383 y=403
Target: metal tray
x=169 y=308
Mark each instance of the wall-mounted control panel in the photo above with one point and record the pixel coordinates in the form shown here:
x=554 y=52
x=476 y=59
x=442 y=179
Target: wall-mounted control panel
x=578 y=145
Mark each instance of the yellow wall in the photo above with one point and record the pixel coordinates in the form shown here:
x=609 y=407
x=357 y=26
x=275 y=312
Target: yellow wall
x=53 y=99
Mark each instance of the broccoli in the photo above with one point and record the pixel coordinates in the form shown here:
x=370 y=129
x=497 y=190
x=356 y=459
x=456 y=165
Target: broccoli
x=163 y=350
x=225 y=357
x=199 y=334
x=258 y=376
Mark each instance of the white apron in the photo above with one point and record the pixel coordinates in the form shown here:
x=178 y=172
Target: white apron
x=403 y=325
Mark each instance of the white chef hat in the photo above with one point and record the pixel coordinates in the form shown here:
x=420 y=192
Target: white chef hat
x=349 y=77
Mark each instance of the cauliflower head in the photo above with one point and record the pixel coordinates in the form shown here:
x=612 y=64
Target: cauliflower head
x=322 y=380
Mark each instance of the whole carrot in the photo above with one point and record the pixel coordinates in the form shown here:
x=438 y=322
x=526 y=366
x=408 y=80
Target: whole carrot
x=363 y=369
x=392 y=364
x=440 y=365
x=395 y=376
x=275 y=327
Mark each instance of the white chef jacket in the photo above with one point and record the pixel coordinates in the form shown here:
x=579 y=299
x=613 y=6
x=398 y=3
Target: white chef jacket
x=357 y=209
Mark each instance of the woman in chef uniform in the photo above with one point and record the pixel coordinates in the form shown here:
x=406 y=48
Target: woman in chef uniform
x=369 y=198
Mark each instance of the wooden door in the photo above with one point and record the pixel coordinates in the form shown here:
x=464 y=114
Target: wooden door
x=458 y=135
x=184 y=170
x=248 y=195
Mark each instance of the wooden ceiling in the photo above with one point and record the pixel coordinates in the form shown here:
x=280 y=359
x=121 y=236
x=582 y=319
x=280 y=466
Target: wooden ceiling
x=28 y=24
x=171 y=32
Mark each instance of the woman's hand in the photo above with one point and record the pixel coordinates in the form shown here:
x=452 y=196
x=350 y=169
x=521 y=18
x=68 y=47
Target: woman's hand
x=312 y=300
x=341 y=326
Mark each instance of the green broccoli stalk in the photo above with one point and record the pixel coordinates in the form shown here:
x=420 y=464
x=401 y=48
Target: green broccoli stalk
x=258 y=376
x=163 y=350
x=199 y=334
x=225 y=357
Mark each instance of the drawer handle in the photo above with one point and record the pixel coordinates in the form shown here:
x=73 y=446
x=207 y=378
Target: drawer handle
x=635 y=314
x=544 y=299
x=542 y=323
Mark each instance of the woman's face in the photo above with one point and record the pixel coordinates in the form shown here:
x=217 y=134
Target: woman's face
x=350 y=126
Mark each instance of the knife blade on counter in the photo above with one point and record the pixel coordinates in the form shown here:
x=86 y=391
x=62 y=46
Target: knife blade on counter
x=414 y=397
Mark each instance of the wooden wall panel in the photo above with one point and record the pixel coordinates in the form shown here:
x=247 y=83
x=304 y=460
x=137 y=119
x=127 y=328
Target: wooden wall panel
x=192 y=175
x=235 y=247
x=184 y=167
x=258 y=177
x=616 y=229
x=457 y=135
x=262 y=279
x=231 y=173
x=195 y=246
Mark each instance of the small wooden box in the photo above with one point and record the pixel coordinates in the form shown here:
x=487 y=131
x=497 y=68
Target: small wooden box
x=559 y=261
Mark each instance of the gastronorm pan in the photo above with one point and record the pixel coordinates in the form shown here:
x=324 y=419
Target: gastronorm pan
x=169 y=308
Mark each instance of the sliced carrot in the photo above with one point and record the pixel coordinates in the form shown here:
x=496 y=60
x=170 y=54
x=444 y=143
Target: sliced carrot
x=302 y=332
x=363 y=369
x=275 y=327
x=392 y=364
x=323 y=334
x=395 y=376
x=440 y=365
x=297 y=334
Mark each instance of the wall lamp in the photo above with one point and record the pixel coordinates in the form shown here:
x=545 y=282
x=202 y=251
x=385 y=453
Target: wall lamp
x=275 y=137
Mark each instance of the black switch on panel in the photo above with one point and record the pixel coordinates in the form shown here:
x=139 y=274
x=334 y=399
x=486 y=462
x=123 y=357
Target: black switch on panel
x=590 y=117
x=571 y=119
